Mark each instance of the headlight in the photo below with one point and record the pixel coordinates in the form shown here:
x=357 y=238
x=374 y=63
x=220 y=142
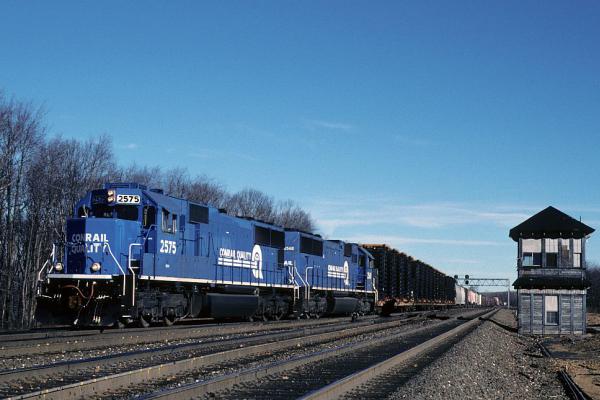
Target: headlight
x=111 y=196
x=96 y=267
x=58 y=267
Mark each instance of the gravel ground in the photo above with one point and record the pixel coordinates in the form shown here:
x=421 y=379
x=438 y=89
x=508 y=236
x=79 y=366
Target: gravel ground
x=251 y=362
x=490 y=363
x=98 y=350
x=593 y=319
x=580 y=357
x=27 y=361
x=33 y=384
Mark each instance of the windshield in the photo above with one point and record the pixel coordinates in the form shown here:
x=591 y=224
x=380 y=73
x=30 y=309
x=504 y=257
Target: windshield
x=128 y=212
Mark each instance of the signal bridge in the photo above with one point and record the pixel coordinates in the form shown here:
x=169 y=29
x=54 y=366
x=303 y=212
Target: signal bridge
x=485 y=282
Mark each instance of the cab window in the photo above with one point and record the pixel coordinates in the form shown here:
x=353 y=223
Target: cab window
x=149 y=216
x=102 y=211
x=169 y=221
x=127 y=212
x=165 y=220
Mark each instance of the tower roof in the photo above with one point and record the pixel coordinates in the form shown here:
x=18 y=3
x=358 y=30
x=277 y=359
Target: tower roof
x=551 y=282
x=550 y=223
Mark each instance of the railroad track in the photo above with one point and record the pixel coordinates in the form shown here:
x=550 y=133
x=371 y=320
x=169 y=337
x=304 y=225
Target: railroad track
x=329 y=373
x=52 y=334
x=68 y=341
x=569 y=384
x=26 y=346
x=98 y=374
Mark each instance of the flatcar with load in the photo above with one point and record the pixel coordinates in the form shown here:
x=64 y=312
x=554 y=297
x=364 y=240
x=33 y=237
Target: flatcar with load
x=405 y=283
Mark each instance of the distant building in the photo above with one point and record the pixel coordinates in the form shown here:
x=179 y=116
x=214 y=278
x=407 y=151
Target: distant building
x=551 y=285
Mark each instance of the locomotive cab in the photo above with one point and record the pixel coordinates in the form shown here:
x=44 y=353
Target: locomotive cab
x=97 y=261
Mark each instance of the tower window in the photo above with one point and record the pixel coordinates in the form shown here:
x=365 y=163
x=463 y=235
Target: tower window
x=577 y=253
x=532 y=252
x=551 y=306
x=551 y=248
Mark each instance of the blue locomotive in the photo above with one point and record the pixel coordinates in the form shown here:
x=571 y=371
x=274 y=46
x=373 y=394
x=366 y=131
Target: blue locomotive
x=133 y=254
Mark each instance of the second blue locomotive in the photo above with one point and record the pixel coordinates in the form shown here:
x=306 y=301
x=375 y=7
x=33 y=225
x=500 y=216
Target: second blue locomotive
x=133 y=254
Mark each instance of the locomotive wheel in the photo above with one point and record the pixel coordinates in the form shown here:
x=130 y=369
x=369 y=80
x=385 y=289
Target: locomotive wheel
x=279 y=314
x=144 y=323
x=118 y=324
x=168 y=321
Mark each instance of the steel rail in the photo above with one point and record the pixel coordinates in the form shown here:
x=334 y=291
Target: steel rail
x=114 y=338
x=357 y=379
x=6 y=338
x=13 y=339
x=228 y=381
x=574 y=391
x=241 y=348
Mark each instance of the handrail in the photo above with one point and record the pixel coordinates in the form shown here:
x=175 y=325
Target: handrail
x=375 y=290
x=300 y=276
x=132 y=271
x=107 y=245
x=150 y=228
x=290 y=272
x=39 y=276
x=306 y=282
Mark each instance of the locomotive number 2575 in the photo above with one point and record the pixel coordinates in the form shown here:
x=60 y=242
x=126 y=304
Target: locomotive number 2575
x=168 y=246
x=128 y=199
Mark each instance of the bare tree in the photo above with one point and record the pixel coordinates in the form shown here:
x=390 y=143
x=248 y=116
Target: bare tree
x=252 y=203
x=593 y=294
x=176 y=181
x=149 y=176
x=20 y=134
x=62 y=170
x=205 y=190
x=290 y=215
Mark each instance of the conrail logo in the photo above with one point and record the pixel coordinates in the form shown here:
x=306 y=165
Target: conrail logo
x=336 y=271
x=87 y=242
x=242 y=259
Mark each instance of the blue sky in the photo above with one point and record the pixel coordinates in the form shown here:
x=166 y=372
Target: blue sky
x=431 y=126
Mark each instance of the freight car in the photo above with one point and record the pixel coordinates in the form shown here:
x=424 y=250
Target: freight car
x=405 y=283
x=138 y=255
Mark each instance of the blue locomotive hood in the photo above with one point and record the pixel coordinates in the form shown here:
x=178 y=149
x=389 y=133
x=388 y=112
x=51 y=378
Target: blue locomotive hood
x=99 y=240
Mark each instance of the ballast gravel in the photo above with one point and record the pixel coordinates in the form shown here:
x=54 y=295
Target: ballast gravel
x=490 y=363
x=246 y=363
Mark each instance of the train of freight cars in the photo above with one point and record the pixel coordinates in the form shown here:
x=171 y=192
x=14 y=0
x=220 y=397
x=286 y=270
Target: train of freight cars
x=406 y=283
x=134 y=255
